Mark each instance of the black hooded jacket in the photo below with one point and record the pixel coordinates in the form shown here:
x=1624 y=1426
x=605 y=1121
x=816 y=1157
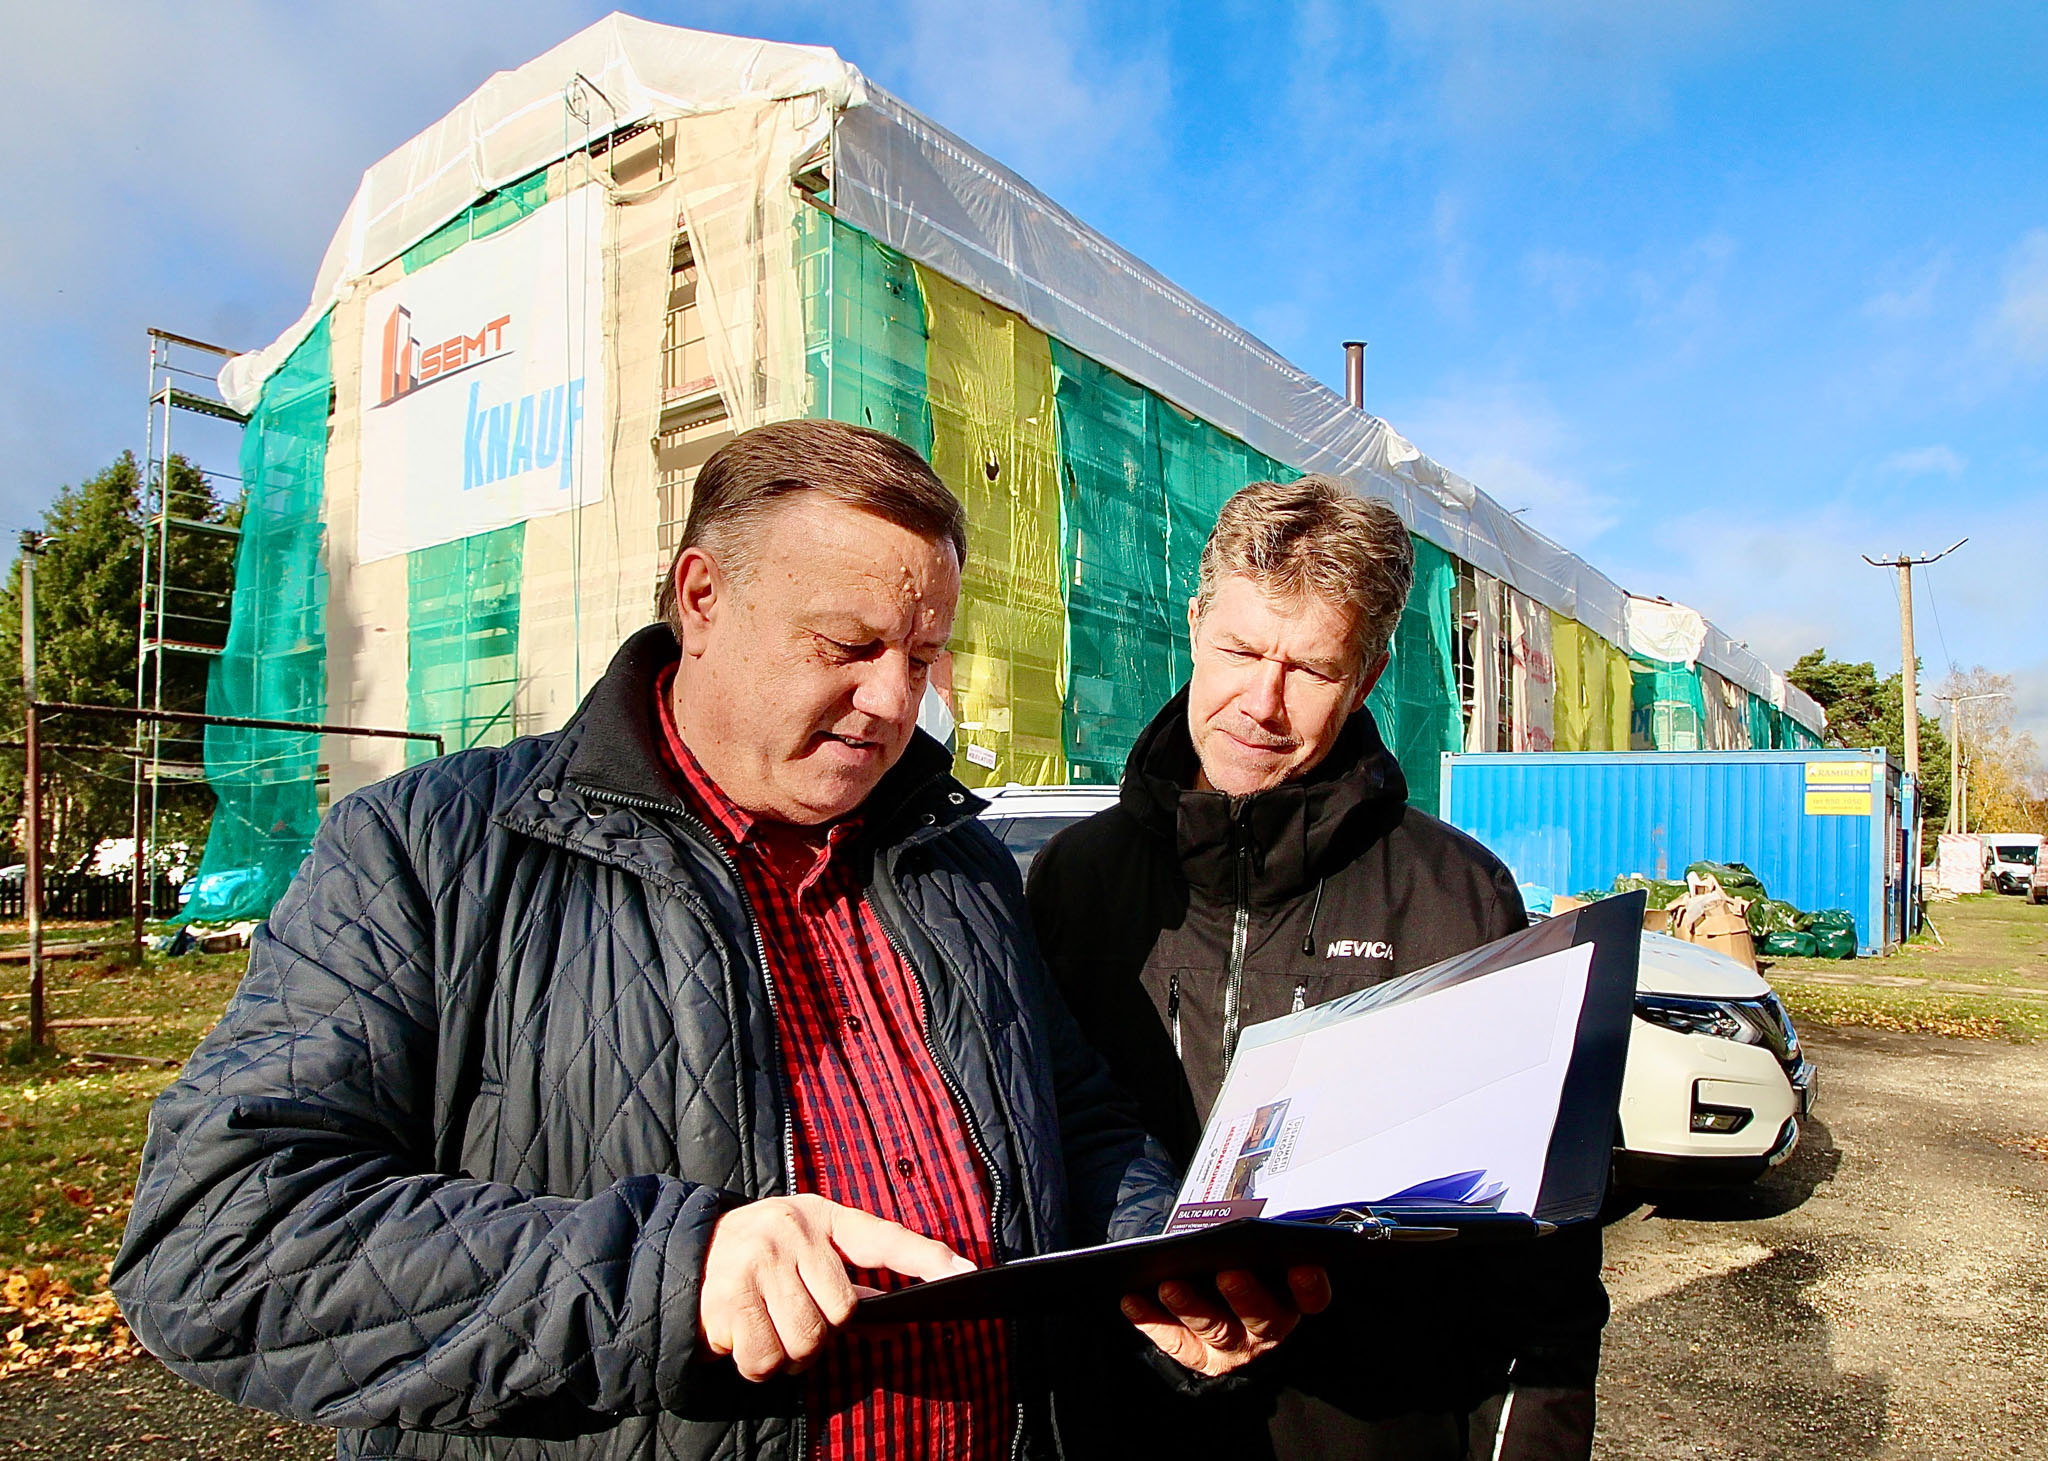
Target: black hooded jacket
x=1178 y=917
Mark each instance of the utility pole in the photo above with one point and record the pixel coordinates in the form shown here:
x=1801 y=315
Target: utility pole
x=32 y=775
x=1958 y=785
x=1909 y=661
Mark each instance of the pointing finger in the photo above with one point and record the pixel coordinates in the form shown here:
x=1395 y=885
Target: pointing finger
x=866 y=1241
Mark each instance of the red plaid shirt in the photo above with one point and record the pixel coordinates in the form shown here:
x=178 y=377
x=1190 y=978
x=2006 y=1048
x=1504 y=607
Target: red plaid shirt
x=874 y=1128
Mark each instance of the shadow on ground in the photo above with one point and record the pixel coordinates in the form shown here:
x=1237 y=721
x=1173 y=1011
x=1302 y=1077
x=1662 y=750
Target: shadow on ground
x=1740 y=1364
x=1780 y=1190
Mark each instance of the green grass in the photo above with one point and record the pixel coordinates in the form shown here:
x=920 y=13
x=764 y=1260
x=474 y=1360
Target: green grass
x=1978 y=1017
x=71 y=1130
x=1987 y=977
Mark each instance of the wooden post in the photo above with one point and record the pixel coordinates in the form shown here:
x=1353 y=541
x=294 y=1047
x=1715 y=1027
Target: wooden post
x=32 y=776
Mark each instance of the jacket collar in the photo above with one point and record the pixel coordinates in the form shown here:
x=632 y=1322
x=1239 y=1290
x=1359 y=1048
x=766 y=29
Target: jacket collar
x=608 y=757
x=1292 y=835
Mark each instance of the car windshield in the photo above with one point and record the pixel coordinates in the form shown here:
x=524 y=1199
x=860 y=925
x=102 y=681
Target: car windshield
x=2026 y=856
x=1024 y=836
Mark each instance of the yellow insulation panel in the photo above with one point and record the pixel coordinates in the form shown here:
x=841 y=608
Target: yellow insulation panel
x=993 y=442
x=1592 y=689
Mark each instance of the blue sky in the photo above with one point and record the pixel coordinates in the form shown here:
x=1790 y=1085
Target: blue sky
x=1724 y=294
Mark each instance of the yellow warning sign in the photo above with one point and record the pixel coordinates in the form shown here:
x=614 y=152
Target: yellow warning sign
x=1838 y=773
x=1823 y=802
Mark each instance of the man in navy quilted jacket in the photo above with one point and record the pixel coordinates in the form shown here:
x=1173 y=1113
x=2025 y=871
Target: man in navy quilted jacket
x=579 y=1087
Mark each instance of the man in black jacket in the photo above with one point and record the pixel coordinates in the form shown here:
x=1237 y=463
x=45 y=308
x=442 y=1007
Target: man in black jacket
x=1262 y=858
x=576 y=1083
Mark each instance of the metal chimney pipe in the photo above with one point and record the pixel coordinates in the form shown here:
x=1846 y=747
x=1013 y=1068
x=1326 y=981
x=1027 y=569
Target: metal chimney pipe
x=1354 y=374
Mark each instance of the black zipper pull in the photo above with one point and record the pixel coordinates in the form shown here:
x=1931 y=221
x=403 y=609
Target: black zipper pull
x=1173 y=1009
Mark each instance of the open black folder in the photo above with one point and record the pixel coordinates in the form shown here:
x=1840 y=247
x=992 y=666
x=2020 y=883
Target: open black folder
x=1470 y=1102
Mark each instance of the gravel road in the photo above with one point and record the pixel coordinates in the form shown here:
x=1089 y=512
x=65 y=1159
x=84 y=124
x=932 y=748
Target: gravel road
x=1883 y=1294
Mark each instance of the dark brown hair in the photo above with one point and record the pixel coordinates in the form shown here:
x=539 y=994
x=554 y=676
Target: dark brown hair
x=1316 y=538
x=750 y=474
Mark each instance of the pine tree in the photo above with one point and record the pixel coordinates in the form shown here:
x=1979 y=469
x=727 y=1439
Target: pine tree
x=88 y=586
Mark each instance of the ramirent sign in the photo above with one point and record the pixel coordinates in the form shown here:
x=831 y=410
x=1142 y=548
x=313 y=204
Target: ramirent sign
x=478 y=373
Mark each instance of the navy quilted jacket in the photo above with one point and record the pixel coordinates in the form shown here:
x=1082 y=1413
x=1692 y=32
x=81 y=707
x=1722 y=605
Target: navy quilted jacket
x=444 y=1175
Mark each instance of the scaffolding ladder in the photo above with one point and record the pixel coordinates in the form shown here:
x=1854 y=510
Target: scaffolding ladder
x=174 y=618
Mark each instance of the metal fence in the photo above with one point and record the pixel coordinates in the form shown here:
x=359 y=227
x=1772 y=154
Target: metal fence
x=84 y=895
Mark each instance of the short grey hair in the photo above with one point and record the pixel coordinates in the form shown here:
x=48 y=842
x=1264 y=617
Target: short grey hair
x=1315 y=538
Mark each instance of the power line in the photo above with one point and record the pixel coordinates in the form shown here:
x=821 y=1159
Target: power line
x=1940 y=637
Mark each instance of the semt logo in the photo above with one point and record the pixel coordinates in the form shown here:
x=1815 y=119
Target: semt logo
x=500 y=439
x=408 y=365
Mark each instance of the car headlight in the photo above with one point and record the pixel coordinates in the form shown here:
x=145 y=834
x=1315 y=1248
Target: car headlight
x=1723 y=1019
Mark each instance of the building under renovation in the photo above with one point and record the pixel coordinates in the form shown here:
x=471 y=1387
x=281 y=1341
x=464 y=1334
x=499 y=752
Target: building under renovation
x=467 y=462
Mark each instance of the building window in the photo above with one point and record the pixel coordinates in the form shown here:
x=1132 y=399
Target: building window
x=685 y=360
x=680 y=452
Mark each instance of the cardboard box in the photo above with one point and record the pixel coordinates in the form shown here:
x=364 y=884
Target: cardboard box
x=1656 y=920
x=1565 y=903
x=1715 y=921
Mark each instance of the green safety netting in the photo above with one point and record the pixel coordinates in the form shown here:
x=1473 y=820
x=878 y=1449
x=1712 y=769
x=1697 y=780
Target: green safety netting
x=864 y=331
x=1142 y=484
x=1122 y=625
x=991 y=390
x=1203 y=468
x=462 y=639
x=1670 y=707
x=1416 y=700
x=482 y=218
x=1761 y=718
x=274 y=665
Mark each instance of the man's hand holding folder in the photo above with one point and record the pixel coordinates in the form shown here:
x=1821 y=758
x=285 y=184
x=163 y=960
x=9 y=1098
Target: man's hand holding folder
x=1213 y=1330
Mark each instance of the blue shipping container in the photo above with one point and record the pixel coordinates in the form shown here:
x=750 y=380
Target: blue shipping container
x=1823 y=829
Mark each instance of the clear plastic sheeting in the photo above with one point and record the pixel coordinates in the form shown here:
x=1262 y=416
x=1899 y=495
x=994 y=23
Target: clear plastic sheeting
x=740 y=209
x=274 y=666
x=1535 y=674
x=1657 y=629
x=519 y=121
x=1727 y=724
x=993 y=443
x=757 y=113
x=480 y=219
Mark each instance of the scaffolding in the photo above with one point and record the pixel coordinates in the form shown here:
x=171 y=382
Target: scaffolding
x=175 y=617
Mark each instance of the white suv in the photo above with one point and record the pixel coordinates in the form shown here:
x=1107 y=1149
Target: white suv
x=1716 y=1086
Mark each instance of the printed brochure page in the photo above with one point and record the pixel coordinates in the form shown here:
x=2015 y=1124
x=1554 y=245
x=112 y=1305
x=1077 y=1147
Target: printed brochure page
x=1446 y=1098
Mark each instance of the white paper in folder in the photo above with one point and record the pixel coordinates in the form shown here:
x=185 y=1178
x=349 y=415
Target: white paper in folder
x=1442 y=1098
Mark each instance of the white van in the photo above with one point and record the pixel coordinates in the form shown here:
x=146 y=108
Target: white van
x=2010 y=859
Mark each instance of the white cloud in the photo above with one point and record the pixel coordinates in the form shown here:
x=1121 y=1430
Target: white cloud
x=1569 y=279
x=1521 y=451
x=1681 y=300
x=1791 y=577
x=2018 y=327
x=1910 y=297
x=1924 y=461
x=1041 y=86
x=1451 y=286
x=2030 y=704
x=184 y=167
x=1528 y=72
